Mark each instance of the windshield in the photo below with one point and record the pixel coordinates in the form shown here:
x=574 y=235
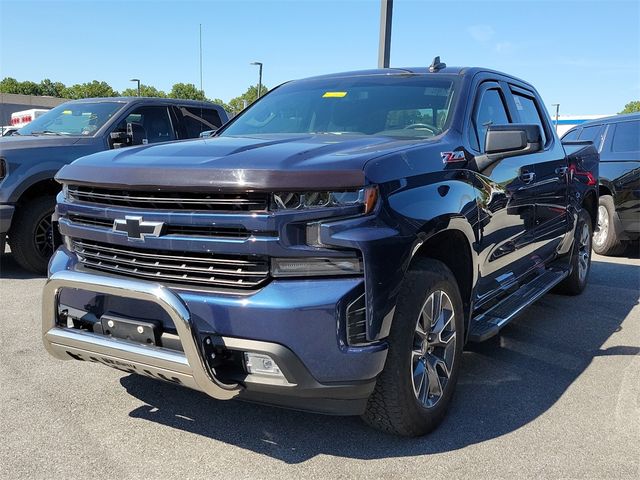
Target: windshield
x=72 y=119
x=392 y=105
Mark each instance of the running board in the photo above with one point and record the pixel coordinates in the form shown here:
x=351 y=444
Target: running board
x=489 y=323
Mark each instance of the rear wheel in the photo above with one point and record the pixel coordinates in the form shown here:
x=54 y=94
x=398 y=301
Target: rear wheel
x=606 y=241
x=425 y=350
x=30 y=234
x=580 y=259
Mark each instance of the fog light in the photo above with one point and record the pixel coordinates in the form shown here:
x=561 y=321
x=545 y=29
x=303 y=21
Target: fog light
x=260 y=364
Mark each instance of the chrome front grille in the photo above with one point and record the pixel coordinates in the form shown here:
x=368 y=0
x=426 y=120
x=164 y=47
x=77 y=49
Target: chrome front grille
x=216 y=231
x=190 y=268
x=169 y=200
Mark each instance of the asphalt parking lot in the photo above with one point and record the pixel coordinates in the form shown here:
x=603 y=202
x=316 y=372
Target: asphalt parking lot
x=557 y=395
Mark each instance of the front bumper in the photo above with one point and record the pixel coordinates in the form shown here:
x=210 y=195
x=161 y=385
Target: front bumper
x=325 y=377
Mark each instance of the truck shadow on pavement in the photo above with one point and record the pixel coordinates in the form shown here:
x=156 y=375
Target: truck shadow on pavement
x=11 y=270
x=505 y=383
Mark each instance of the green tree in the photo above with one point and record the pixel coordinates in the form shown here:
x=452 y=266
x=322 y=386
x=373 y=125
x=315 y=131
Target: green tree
x=220 y=102
x=145 y=91
x=90 y=90
x=236 y=104
x=187 y=91
x=9 y=85
x=29 y=88
x=631 y=107
x=52 y=89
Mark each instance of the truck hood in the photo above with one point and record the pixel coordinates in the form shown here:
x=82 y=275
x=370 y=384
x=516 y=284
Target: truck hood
x=297 y=161
x=18 y=142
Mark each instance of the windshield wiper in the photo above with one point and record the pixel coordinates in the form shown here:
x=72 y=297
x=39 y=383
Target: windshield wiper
x=49 y=132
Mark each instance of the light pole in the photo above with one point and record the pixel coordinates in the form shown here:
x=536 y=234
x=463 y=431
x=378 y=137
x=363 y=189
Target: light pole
x=259 y=64
x=136 y=80
x=557 y=105
x=384 y=49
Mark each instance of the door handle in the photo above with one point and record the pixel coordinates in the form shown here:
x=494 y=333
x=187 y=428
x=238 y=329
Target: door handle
x=527 y=177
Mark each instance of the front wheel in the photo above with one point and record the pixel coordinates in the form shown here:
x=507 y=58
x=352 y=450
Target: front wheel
x=30 y=234
x=425 y=350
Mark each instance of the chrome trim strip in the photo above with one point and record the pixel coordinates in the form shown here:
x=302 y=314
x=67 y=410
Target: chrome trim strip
x=58 y=340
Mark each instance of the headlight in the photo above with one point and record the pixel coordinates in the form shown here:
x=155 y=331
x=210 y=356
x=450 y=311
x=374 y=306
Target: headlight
x=315 y=267
x=308 y=200
x=65 y=191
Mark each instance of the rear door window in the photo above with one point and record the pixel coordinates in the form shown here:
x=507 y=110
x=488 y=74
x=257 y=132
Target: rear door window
x=197 y=120
x=528 y=112
x=626 y=137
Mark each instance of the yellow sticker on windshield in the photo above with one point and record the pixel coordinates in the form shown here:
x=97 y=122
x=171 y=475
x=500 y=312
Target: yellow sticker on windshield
x=334 y=94
x=67 y=112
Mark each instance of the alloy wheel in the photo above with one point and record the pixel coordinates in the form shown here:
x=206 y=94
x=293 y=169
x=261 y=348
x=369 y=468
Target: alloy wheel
x=600 y=236
x=434 y=346
x=584 y=252
x=42 y=237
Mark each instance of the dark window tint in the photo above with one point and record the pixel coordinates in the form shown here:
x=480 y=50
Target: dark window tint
x=528 y=113
x=590 y=134
x=491 y=111
x=197 y=120
x=626 y=138
x=154 y=120
x=572 y=135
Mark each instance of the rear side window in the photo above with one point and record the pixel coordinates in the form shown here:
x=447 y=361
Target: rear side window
x=197 y=120
x=528 y=113
x=491 y=111
x=571 y=136
x=626 y=138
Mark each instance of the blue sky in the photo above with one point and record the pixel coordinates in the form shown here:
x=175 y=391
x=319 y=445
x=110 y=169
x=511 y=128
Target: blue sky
x=582 y=54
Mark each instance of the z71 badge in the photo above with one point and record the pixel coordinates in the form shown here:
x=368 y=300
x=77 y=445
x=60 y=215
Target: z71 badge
x=452 y=157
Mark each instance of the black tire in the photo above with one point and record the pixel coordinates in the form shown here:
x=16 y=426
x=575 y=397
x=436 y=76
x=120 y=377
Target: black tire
x=394 y=406
x=575 y=283
x=607 y=240
x=29 y=239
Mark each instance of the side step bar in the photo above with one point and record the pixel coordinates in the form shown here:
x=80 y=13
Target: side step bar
x=489 y=323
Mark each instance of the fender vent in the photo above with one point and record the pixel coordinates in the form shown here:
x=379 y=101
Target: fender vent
x=357 y=322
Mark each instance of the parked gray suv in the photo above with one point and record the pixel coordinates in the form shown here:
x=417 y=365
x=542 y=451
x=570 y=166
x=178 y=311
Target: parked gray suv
x=31 y=157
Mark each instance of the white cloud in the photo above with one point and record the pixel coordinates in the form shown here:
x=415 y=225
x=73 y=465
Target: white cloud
x=504 y=47
x=481 y=33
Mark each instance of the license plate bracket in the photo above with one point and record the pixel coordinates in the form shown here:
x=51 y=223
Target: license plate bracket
x=140 y=331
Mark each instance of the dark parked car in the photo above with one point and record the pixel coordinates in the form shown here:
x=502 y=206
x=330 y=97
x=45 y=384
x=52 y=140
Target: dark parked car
x=31 y=156
x=618 y=141
x=331 y=248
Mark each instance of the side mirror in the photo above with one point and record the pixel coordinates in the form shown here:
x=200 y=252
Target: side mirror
x=208 y=133
x=510 y=140
x=136 y=133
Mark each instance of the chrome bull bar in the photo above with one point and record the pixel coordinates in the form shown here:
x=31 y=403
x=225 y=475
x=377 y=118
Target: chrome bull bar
x=187 y=369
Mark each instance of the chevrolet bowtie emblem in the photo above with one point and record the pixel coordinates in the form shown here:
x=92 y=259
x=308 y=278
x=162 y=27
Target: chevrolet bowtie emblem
x=136 y=228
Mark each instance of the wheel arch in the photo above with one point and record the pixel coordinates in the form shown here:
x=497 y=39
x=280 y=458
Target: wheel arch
x=453 y=247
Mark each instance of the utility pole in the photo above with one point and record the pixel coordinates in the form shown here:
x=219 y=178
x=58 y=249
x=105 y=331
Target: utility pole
x=201 y=90
x=384 y=49
x=557 y=105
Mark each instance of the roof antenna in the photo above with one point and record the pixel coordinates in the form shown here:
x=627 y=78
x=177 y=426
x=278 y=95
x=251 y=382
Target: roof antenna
x=437 y=65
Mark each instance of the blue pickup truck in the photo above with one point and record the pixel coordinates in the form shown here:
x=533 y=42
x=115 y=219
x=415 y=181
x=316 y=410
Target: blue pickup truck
x=31 y=157
x=332 y=248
